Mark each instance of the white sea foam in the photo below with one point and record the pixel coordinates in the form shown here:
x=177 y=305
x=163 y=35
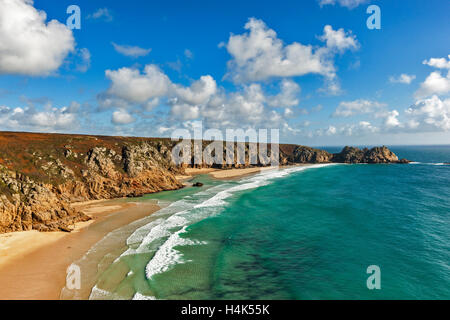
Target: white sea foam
x=167 y=255
x=101 y=294
x=431 y=163
x=139 y=296
x=254 y=182
x=139 y=234
x=178 y=214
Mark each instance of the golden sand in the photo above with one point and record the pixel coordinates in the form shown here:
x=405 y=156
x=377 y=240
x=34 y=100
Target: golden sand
x=33 y=264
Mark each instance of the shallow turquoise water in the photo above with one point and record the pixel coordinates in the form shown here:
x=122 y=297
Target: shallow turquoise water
x=299 y=234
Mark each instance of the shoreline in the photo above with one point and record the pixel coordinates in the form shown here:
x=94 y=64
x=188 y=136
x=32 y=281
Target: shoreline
x=239 y=173
x=31 y=266
x=224 y=174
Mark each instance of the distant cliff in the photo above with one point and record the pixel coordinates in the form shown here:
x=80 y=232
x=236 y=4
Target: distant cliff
x=41 y=174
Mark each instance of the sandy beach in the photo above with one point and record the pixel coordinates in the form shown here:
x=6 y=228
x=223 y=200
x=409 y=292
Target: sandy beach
x=236 y=173
x=191 y=172
x=222 y=173
x=33 y=265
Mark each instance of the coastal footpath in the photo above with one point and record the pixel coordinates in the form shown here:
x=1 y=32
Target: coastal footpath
x=42 y=174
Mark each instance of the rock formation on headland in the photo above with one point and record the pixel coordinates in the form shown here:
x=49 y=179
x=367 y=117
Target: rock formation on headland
x=374 y=155
x=302 y=154
x=41 y=174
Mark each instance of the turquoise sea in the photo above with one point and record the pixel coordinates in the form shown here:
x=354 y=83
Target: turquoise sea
x=296 y=233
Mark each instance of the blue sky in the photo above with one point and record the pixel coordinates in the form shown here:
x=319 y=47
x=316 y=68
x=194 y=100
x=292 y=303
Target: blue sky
x=145 y=68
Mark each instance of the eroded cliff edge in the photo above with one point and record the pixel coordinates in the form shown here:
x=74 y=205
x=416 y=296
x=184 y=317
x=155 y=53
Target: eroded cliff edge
x=41 y=174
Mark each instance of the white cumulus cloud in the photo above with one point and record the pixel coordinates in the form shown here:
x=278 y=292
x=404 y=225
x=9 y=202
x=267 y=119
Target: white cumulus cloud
x=121 y=117
x=201 y=100
x=259 y=54
x=430 y=114
x=440 y=63
x=360 y=106
x=29 y=45
x=132 y=85
x=435 y=83
x=391 y=119
x=339 y=39
x=403 y=78
x=47 y=119
x=288 y=96
x=351 y=129
x=185 y=111
x=199 y=92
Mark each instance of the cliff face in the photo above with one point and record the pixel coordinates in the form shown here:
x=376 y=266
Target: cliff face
x=374 y=155
x=302 y=154
x=41 y=174
x=26 y=204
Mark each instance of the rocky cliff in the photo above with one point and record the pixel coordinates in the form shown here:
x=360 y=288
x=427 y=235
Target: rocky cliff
x=302 y=154
x=374 y=155
x=41 y=174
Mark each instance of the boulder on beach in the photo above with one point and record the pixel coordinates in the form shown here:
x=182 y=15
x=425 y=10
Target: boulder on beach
x=197 y=184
